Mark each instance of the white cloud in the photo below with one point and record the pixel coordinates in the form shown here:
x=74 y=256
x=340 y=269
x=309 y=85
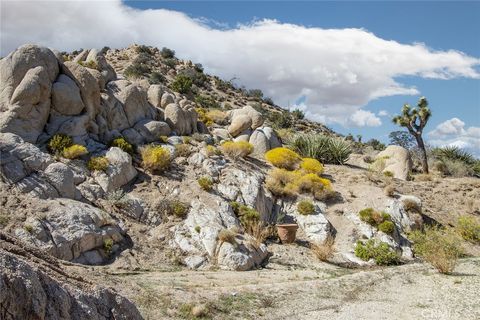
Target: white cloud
x=383 y=113
x=362 y=118
x=337 y=70
x=453 y=133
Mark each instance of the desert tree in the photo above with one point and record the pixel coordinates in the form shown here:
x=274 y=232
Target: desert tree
x=415 y=120
x=402 y=139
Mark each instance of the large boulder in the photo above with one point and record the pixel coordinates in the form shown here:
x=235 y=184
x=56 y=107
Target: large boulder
x=155 y=93
x=181 y=120
x=239 y=120
x=167 y=98
x=26 y=77
x=34 y=285
x=152 y=130
x=71 y=230
x=396 y=160
x=66 y=97
x=106 y=70
x=120 y=171
x=239 y=124
x=60 y=176
x=263 y=139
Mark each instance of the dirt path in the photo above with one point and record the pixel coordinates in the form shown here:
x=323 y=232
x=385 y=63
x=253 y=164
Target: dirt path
x=414 y=291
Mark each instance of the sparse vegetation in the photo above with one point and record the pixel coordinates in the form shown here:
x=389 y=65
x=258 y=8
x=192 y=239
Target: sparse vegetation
x=156 y=78
x=236 y=150
x=283 y=158
x=107 y=246
x=380 y=252
x=212 y=151
x=206 y=183
x=136 y=71
x=58 y=143
x=468 y=227
x=456 y=162
x=74 y=151
x=439 y=247
x=167 y=53
x=325 y=149
x=155 y=158
x=98 y=164
x=305 y=207
x=182 y=84
x=380 y=220
x=323 y=251
x=122 y=144
x=182 y=150
x=390 y=190
x=228 y=236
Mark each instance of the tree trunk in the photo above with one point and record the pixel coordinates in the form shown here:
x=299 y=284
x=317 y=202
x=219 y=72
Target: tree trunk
x=421 y=146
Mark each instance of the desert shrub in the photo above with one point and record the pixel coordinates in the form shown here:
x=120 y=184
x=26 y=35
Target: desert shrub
x=198 y=229
x=155 y=158
x=388 y=174
x=305 y=207
x=197 y=78
x=74 y=151
x=439 y=247
x=163 y=139
x=89 y=64
x=236 y=150
x=217 y=116
x=280 y=119
x=283 y=158
x=58 y=142
x=469 y=228
x=178 y=208
x=311 y=165
x=107 y=246
x=375 y=144
x=323 y=251
x=203 y=117
x=298 y=114
x=167 y=53
x=454 y=153
x=122 y=144
x=98 y=164
x=282 y=182
x=206 y=183
x=325 y=149
x=380 y=252
x=375 y=218
x=228 y=236
x=182 y=150
x=143 y=49
x=171 y=63
x=212 y=151
x=156 y=78
x=390 y=190
x=206 y=102
x=182 y=84
x=387 y=227
x=285 y=134
x=313 y=184
x=455 y=161
x=136 y=70
x=411 y=205
x=454 y=168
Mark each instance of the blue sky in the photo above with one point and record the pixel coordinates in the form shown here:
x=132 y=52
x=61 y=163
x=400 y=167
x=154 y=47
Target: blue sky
x=440 y=25
x=351 y=62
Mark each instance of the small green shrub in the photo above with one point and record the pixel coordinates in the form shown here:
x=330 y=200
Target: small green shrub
x=107 y=246
x=28 y=228
x=206 y=183
x=469 y=228
x=388 y=174
x=167 y=53
x=58 y=143
x=178 y=208
x=387 y=227
x=325 y=149
x=182 y=84
x=298 y=114
x=122 y=144
x=156 y=78
x=305 y=207
x=155 y=158
x=182 y=150
x=98 y=164
x=381 y=253
x=439 y=247
x=74 y=151
x=143 y=49
x=198 y=229
x=206 y=102
x=136 y=70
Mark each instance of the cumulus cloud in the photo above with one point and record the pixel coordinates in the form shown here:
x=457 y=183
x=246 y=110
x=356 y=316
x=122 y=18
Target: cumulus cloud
x=337 y=71
x=453 y=133
x=383 y=113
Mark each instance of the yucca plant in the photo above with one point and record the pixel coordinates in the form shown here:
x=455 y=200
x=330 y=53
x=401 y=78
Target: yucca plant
x=455 y=154
x=323 y=148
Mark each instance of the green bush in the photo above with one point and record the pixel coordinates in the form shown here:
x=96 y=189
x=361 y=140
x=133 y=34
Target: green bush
x=122 y=144
x=167 y=53
x=182 y=84
x=380 y=252
x=135 y=71
x=98 y=164
x=456 y=162
x=469 y=228
x=74 y=151
x=246 y=214
x=58 y=143
x=178 y=208
x=387 y=227
x=298 y=114
x=206 y=102
x=143 y=49
x=206 y=183
x=325 y=149
x=305 y=207
x=107 y=246
x=156 y=78
x=439 y=247
x=280 y=120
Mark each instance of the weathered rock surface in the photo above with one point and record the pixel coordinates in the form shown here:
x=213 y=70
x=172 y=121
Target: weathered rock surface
x=263 y=139
x=239 y=124
x=66 y=97
x=397 y=160
x=34 y=285
x=183 y=121
x=120 y=171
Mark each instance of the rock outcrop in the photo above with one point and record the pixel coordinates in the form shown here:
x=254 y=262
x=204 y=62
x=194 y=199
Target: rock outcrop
x=397 y=160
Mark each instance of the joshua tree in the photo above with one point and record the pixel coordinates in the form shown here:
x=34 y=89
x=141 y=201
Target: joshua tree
x=415 y=119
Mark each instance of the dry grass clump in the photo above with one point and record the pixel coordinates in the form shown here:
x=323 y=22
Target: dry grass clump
x=423 y=177
x=305 y=207
x=313 y=184
x=468 y=228
x=411 y=206
x=212 y=151
x=282 y=182
x=206 y=183
x=228 y=236
x=325 y=250
x=58 y=143
x=283 y=158
x=217 y=116
x=390 y=190
x=98 y=164
x=182 y=150
x=439 y=247
x=122 y=144
x=74 y=151
x=310 y=165
x=236 y=150
x=155 y=158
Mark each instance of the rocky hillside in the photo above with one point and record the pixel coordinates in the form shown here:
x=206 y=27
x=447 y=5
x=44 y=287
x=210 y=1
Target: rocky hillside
x=132 y=160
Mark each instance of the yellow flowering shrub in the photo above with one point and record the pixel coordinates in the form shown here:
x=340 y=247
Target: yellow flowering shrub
x=98 y=164
x=282 y=182
x=283 y=158
x=74 y=151
x=311 y=165
x=155 y=158
x=236 y=150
